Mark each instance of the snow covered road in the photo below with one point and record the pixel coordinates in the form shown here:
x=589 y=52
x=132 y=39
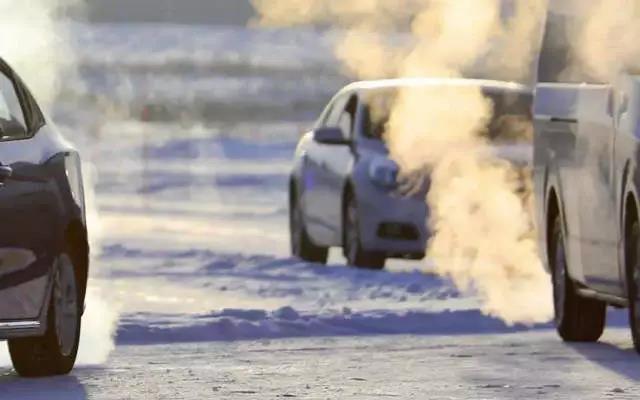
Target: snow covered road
x=513 y=366
x=191 y=248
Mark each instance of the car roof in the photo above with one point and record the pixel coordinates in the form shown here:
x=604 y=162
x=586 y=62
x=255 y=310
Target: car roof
x=485 y=84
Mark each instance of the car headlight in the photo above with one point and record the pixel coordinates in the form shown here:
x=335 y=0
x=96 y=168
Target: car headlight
x=384 y=173
x=73 y=170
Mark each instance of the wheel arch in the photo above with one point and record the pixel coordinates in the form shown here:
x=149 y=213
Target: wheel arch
x=348 y=189
x=76 y=243
x=553 y=210
x=626 y=190
x=293 y=187
x=628 y=215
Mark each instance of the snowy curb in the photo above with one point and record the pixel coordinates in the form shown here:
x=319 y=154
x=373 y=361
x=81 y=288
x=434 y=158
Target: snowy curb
x=231 y=325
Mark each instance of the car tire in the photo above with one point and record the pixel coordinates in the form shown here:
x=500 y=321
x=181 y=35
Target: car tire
x=55 y=352
x=352 y=244
x=301 y=245
x=577 y=319
x=632 y=255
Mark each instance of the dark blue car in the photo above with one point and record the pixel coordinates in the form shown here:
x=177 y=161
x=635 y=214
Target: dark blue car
x=44 y=251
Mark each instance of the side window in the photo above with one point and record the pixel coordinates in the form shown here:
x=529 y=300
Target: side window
x=348 y=117
x=343 y=114
x=11 y=110
x=333 y=118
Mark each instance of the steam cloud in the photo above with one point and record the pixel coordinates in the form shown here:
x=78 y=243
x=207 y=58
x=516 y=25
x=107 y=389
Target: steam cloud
x=35 y=43
x=483 y=233
x=603 y=38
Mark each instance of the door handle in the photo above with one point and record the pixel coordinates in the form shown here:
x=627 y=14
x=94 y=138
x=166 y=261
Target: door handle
x=564 y=120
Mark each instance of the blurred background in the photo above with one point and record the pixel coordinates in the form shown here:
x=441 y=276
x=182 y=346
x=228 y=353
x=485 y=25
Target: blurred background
x=188 y=119
x=237 y=12
x=201 y=113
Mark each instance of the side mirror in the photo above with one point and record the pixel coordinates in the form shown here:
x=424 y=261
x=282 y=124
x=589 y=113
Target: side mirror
x=330 y=136
x=12 y=129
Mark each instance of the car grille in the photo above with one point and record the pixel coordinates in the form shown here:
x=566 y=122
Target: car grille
x=398 y=231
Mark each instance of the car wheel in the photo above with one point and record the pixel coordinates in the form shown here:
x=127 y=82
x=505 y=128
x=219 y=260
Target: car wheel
x=352 y=243
x=577 y=319
x=632 y=254
x=55 y=352
x=301 y=244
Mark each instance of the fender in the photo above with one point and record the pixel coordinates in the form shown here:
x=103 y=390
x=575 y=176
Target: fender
x=630 y=186
x=553 y=184
x=348 y=186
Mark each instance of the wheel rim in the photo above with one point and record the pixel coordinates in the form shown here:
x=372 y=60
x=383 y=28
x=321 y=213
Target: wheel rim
x=66 y=306
x=559 y=280
x=353 y=239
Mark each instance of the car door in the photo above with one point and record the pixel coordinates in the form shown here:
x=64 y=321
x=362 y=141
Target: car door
x=316 y=158
x=27 y=204
x=557 y=152
x=596 y=188
x=556 y=148
x=339 y=160
x=576 y=137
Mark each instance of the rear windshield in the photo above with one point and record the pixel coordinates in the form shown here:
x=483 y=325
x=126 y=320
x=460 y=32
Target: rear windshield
x=511 y=121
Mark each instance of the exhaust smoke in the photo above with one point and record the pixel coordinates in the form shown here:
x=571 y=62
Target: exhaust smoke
x=483 y=234
x=602 y=38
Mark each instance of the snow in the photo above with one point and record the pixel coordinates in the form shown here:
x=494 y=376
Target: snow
x=192 y=278
x=193 y=210
x=524 y=365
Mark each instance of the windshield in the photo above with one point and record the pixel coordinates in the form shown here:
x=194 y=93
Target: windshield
x=511 y=121
x=377 y=110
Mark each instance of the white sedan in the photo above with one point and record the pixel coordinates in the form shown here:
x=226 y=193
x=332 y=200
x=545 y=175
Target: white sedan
x=344 y=189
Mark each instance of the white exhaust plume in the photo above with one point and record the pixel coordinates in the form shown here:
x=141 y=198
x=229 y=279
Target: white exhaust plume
x=35 y=43
x=100 y=321
x=483 y=233
x=603 y=37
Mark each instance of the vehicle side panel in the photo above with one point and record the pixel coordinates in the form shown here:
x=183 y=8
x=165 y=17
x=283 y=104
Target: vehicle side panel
x=36 y=205
x=596 y=193
x=626 y=154
x=556 y=169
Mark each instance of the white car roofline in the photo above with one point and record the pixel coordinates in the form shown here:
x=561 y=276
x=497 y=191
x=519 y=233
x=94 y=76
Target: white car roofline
x=434 y=82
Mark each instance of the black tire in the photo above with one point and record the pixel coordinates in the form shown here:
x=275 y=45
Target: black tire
x=301 y=244
x=632 y=255
x=55 y=352
x=577 y=319
x=352 y=245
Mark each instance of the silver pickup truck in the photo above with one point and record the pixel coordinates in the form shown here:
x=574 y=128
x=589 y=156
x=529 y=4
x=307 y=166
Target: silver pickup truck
x=587 y=184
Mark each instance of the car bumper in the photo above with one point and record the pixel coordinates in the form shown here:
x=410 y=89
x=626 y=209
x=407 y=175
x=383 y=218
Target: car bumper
x=391 y=223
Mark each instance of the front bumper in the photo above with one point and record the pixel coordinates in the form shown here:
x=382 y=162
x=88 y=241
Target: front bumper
x=391 y=223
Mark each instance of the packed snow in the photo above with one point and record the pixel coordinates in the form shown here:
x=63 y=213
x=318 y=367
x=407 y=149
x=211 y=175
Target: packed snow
x=188 y=134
